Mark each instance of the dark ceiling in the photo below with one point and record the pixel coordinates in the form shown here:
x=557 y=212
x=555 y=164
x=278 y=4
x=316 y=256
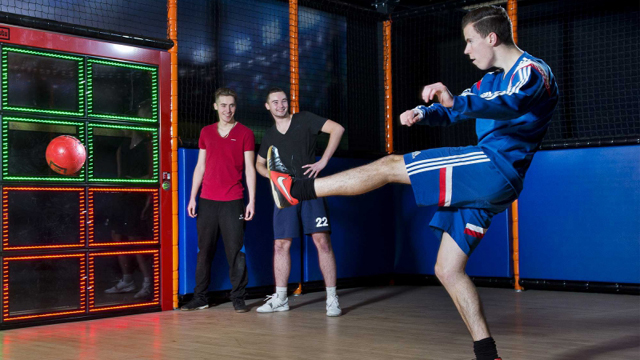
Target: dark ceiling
x=398 y=6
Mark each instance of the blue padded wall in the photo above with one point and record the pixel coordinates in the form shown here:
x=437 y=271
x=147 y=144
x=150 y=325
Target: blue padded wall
x=580 y=215
x=417 y=246
x=258 y=238
x=362 y=229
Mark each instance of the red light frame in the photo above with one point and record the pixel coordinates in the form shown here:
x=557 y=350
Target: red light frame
x=156 y=217
x=5 y=217
x=156 y=280
x=98 y=48
x=5 y=287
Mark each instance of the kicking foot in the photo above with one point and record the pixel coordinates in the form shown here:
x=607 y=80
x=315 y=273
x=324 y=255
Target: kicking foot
x=281 y=180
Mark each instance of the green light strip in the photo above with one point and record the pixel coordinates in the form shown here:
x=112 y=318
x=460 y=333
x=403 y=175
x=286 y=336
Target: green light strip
x=124 y=127
x=147 y=181
x=5 y=150
x=5 y=82
x=32 y=52
x=125 y=65
x=156 y=155
x=154 y=90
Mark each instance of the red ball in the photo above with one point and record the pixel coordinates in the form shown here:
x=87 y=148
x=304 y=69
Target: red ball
x=66 y=155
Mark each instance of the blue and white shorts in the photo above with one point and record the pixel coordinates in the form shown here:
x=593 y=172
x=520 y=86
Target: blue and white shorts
x=466 y=186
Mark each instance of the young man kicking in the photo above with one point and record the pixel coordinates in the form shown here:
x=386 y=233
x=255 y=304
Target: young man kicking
x=295 y=137
x=512 y=106
x=226 y=148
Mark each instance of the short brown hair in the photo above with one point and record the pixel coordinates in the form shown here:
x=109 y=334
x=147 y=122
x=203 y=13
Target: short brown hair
x=490 y=19
x=225 y=92
x=273 y=90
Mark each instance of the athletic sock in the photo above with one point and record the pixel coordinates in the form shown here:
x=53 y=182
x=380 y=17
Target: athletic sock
x=304 y=189
x=485 y=349
x=281 y=292
x=331 y=292
x=127 y=278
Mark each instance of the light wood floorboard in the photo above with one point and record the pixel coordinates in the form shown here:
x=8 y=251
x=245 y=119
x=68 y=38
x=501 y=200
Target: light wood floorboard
x=395 y=322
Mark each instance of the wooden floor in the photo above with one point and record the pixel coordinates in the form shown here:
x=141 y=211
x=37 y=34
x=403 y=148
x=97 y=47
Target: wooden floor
x=378 y=323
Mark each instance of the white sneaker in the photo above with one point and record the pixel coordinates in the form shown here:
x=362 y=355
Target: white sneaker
x=144 y=293
x=274 y=304
x=333 y=307
x=121 y=287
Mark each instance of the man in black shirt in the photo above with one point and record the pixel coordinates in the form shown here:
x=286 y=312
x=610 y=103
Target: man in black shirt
x=295 y=138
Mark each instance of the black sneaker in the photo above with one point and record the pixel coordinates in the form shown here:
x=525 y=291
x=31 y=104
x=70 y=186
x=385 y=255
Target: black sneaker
x=195 y=304
x=281 y=180
x=240 y=306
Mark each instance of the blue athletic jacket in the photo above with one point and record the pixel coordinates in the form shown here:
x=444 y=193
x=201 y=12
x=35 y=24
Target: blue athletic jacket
x=512 y=114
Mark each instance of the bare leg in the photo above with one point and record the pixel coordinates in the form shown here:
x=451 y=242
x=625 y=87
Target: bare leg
x=450 y=271
x=282 y=261
x=360 y=180
x=325 y=257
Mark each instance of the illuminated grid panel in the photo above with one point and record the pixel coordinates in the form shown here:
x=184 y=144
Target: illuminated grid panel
x=5 y=150
x=155 y=153
x=156 y=280
x=155 y=213
x=5 y=291
x=5 y=218
x=154 y=90
x=5 y=81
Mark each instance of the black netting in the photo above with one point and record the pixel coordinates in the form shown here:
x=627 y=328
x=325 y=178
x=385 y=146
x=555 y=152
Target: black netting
x=428 y=49
x=244 y=45
x=144 y=18
x=593 y=51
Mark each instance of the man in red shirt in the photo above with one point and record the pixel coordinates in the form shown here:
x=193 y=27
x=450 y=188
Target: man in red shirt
x=226 y=148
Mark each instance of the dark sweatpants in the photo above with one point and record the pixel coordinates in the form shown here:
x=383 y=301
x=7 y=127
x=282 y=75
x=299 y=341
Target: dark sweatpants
x=226 y=218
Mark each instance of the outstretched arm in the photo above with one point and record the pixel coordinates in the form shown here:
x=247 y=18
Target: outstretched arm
x=527 y=88
x=437 y=114
x=335 y=132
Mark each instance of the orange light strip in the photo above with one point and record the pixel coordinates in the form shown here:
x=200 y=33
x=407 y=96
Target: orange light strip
x=5 y=292
x=294 y=102
x=156 y=217
x=43 y=257
x=44 y=315
x=124 y=306
x=156 y=280
x=172 y=23
x=388 y=103
x=512 y=10
x=5 y=218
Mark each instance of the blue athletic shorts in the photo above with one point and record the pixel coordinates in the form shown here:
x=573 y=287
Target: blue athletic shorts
x=313 y=214
x=466 y=186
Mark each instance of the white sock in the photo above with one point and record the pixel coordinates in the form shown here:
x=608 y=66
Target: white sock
x=331 y=292
x=146 y=281
x=281 y=292
x=127 y=278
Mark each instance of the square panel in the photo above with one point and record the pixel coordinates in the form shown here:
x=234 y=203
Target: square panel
x=42 y=82
x=121 y=216
x=42 y=218
x=123 y=154
x=24 y=146
x=43 y=286
x=124 y=279
x=122 y=91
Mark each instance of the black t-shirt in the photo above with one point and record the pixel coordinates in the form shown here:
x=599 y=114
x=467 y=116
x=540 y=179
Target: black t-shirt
x=297 y=147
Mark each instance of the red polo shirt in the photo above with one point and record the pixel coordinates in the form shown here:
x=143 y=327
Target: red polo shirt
x=225 y=161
